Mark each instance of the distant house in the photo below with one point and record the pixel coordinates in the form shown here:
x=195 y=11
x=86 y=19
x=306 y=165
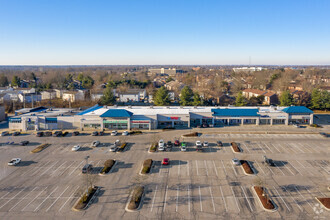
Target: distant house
x=28 y=98
x=269 y=97
x=132 y=95
x=59 y=93
x=174 y=85
x=26 y=90
x=164 y=71
x=49 y=94
x=96 y=96
x=73 y=96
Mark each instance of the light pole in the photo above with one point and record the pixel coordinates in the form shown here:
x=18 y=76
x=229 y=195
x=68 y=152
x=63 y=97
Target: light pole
x=86 y=158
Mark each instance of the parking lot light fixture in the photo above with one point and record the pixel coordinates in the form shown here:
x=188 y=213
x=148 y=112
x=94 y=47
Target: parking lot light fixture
x=86 y=158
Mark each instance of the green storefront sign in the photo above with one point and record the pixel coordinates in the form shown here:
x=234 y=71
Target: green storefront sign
x=114 y=122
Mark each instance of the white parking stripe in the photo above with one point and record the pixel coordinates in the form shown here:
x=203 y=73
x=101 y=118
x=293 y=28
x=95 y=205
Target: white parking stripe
x=160 y=169
x=13 y=197
x=45 y=199
x=165 y=198
x=281 y=198
x=58 y=168
x=188 y=198
x=295 y=168
x=34 y=198
x=247 y=199
x=286 y=167
x=197 y=167
x=200 y=198
x=224 y=168
x=246 y=147
x=153 y=199
x=22 y=199
x=302 y=196
x=234 y=169
x=267 y=147
x=279 y=170
x=68 y=167
x=177 y=199
x=261 y=147
x=275 y=147
x=68 y=199
x=48 y=168
x=76 y=168
x=271 y=170
x=39 y=168
x=57 y=199
x=7 y=193
x=235 y=198
x=293 y=198
x=259 y=167
x=223 y=199
x=216 y=172
x=207 y=173
x=212 y=199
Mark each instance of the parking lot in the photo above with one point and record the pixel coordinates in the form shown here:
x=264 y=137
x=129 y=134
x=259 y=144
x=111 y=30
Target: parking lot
x=194 y=185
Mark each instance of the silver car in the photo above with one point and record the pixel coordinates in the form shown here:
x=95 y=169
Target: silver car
x=95 y=143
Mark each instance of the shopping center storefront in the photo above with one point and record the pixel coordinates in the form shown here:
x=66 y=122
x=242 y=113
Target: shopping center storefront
x=115 y=124
x=141 y=124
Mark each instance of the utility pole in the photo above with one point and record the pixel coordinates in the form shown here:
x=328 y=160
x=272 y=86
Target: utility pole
x=86 y=158
x=32 y=100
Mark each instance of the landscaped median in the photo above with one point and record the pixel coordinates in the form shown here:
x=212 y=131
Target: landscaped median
x=146 y=167
x=135 y=199
x=325 y=202
x=193 y=134
x=264 y=199
x=86 y=199
x=39 y=148
x=153 y=148
x=108 y=164
x=121 y=148
x=135 y=132
x=246 y=166
x=235 y=147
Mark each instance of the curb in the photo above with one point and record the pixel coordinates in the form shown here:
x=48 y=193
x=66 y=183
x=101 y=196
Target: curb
x=322 y=204
x=140 y=205
x=254 y=173
x=268 y=210
x=142 y=174
x=86 y=206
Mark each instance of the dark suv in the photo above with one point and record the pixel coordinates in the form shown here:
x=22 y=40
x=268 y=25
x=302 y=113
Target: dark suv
x=87 y=168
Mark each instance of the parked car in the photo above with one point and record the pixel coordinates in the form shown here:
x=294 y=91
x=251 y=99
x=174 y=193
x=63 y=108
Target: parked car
x=219 y=143
x=95 y=133
x=166 y=161
x=161 y=145
x=14 y=161
x=65 y=134
x=10 y=143
x=205 y=125
x=168 y=148
x=169 y=143
x=114 y=133
x=95 y=143
x=75 y=133
x=57 y=134
x=48 y=134
x=4 y=133
x=87 y=168
x=176 y=143
x=24 y=143
x=183 y=146
x=40 y=134
x=205 y=144
x=199 y=146
x=16 y=133
x=113 y=148
x=125 y=133
x=296 y=126
x=236 y=161
x=117 y=143
x=101 y=133
x=76 y=148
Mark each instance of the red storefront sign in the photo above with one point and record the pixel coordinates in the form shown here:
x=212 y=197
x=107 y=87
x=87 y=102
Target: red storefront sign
x=174 y=118
x=140 y=122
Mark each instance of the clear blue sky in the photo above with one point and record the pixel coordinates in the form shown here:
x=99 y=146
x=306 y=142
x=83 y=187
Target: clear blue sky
x=64 y=32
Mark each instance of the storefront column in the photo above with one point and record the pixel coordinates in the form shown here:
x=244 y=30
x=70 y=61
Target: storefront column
x=258 y=121
x=242 y=121
x=213 y=121
x=271 y=121
x=128 y=124
x=200 y=121
x=149 y=126
x=228 y=120
x=311 y=119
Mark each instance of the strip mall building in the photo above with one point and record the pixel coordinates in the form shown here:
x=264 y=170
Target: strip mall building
x=157 y=117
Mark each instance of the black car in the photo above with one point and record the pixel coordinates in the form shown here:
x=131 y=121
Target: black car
x=16 y=133
x=48 y=134
x=65 y=134
x=95 y=133
x=101 y=133
x=57 y=134
x=75 y=133
x=24 y=143
x=40 y=134
x=219 y=143
x=87 y=168
x=169 y=144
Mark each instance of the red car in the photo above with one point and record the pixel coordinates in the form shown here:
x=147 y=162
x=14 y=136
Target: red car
x=166 y=161
x=176 y=143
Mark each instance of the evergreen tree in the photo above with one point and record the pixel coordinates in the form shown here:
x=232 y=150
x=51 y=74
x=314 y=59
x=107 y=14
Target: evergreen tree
x=197 y=100
x=286 y=99
x=16 y=81
x=316 y=99
x=325 y=95
x=186 y=96
x=108 y=97
x=161 y=96
x=240 y=100
x=87 y=82
x=3 y=80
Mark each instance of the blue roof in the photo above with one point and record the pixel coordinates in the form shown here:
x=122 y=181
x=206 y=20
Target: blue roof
x=298 y=109
x=235 y=112
x=38 y=109
x=95 y=107
x=117 y=113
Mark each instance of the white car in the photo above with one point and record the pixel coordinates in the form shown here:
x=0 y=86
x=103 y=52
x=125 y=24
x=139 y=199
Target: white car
x=125 y=133
x=161 y=145
x=205 y=144
x=4 y=133
x=198 y=144
x=183 y=148
x=95 y=143
x=117 y=143
x=14 y=161
x=75 y=148
x=114 y=133
x=113 y=148
x=236 y=161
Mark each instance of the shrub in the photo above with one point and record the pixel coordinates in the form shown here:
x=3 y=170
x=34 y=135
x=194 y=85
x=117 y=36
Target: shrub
x=136 y=197
x=40 y=148
x=146 y=166
x=108 y=164
x=169 y=128
x=193 y=134
x=153 y=147
x=135 y=132
x=85 y=198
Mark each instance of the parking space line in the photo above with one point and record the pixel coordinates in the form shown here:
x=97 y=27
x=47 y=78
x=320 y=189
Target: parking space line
x=188 y=167
x=22 y=199
x=260 y=167
x=286 y=167
x=177 y=199
x=212 y=199
x=48 y=169
x=34 y=198
x=45 y=199
x=197 y=167
x=247 y=199
x=179 y=168
x=71 y=196
x=57 y=199
x=188 y=198
x=279 y=169
x=307 y=149
x=322 y=166
x=305 y=168
x=246 y=147
x=270 y=170
x=282 y=199
x=57 y=168
x=293 y=198
x=294 y=146
x=302 y=196
x=76 y=167
x=224 y=168
x=207 y=173
x=267 y=147
x=235 y=198
x=234 y=169
x=66 y=169
x=295 y=168
x=7 y=193
x=223 y=199
x=160 y=169
x=164 y=207
x=39 y=168
x=215 y=168
x=275 y=147
x=13 y=197
x=200 y=198
x=153 y=199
